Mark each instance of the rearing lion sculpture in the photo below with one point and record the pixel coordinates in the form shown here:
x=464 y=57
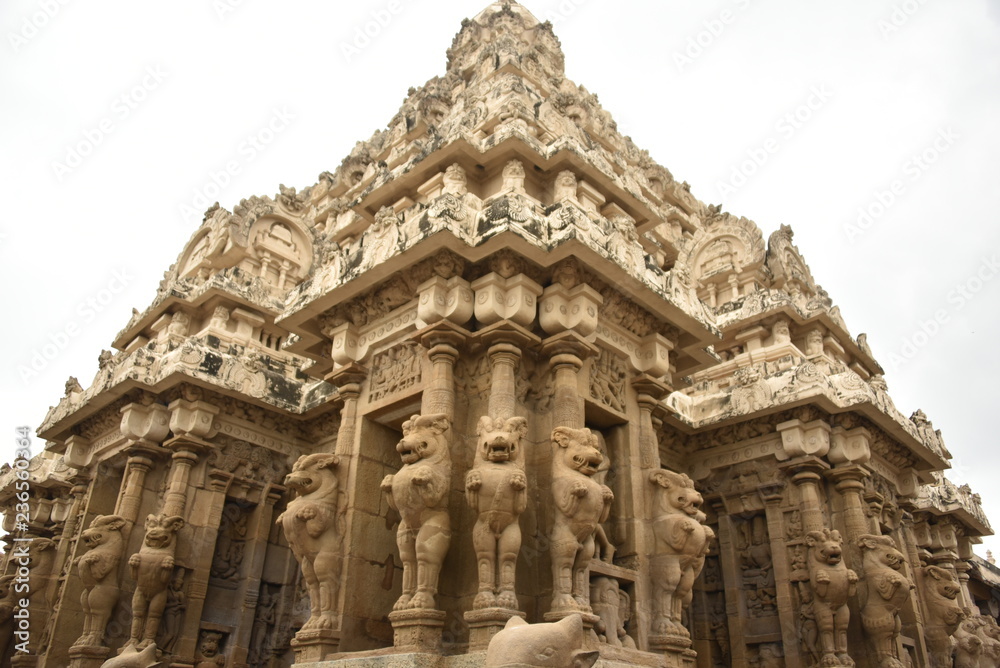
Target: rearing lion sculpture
x=419 y=491
x=495 y=488
x=681 y=544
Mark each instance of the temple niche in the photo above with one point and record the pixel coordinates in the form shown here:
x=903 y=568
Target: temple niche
x=496 y=388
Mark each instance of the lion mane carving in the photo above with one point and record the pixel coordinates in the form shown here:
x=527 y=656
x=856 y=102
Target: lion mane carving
x=681 y=543
x=419 y=491
x=885 y=591
x=832 y=584
x=310 y=523
x=581 y=504
x=496 y=489
x=98 y=569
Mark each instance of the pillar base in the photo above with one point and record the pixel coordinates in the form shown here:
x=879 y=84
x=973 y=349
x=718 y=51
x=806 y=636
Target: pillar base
x=676 y=648
x=88 y=656
x=315 y=645
x=486 y=623
x=417 y=630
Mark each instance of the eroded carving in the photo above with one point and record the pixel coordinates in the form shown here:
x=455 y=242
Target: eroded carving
x=557 y=645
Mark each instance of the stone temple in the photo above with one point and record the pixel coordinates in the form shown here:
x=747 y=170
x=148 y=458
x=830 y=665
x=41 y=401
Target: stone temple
x=498 y=376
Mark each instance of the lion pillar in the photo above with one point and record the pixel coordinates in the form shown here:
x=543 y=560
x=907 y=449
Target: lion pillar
x=419 y=491
x=312 y=528
x=496 y=489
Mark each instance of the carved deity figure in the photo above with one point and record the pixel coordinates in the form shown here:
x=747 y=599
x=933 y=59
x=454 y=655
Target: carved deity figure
x=885 y=591
x=832 y=583
x=455 y=180
x=209 y=650
x=513 y=176
x=943 y=614
x=681 y=543
x=152 y=568
x=419 y=491
x=496 y=489
x=311 y=528
x=614 y=607
x=557 y=645
x=581 y=504
x=98 y=569
x=173 y=613
x=565 y=186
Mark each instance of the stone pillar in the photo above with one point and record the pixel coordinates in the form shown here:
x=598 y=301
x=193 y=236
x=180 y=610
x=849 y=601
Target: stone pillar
x=732 y=576
x=788 y=615
x=348 y=382
x=566 y=353
x=254 y=560
x=505 y=340
x=192 y=421
x=807 y=474
x=197 y=587
x=650 y=392
x=443 y=341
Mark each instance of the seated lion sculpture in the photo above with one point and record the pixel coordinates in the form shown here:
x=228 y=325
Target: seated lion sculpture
x=419 y=491
x=496 y=489
x=681 y=543
x=311 y=527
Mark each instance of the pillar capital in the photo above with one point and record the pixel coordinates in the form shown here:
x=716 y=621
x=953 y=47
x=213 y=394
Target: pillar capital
x=805 y=469
x=568 y=344
x=192 y=418
x=849 y=477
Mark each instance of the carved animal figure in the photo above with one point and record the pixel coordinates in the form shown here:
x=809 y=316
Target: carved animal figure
x=559 y=645
x=885 y=592
x=98 y=569
x=495 y=489
x=152 y=569
x=968 y=644
x=832 y=584
x=681 y=543
x=419 y=491
x=613 y=606
x=581 y=504
x=310 y=526
x=943 y=614
x=131 y=657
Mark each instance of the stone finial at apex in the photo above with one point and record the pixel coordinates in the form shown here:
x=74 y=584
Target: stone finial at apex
x=506 y=32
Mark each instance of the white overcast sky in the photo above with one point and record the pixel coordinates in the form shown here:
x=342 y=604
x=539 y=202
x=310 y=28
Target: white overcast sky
x=703 y=85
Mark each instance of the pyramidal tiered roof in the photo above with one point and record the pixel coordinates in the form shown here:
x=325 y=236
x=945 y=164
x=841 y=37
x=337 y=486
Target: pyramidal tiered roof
x=501 y=159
